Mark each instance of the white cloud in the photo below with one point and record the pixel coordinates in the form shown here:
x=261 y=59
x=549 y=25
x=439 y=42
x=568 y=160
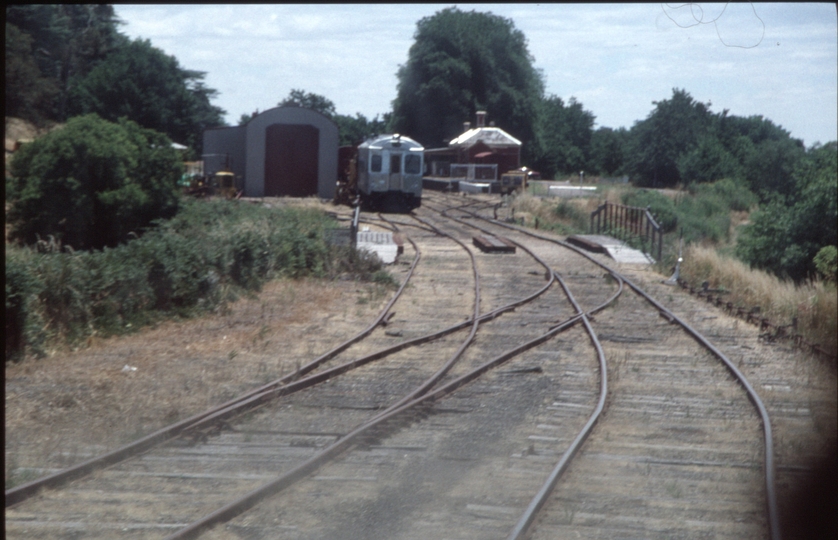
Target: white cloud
x=615 y=58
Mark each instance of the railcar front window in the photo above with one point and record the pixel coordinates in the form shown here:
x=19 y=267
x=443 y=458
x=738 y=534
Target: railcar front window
x=412 y=164
x=375 y=163
x=395 y=163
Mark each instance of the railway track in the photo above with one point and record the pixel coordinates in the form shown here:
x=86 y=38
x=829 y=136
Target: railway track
x=446 y=421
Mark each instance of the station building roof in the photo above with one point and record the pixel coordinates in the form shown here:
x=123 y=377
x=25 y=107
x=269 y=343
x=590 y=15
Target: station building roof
x=490 y=136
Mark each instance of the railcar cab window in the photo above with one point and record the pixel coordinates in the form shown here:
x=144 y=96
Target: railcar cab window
x=412 y=164
x=395 y=163
x=375 y=163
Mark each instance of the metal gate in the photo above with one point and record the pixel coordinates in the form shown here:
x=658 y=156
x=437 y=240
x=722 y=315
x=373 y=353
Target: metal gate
x=624 y=222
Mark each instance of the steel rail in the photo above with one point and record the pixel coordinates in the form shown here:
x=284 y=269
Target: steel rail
x=771 y=496
x=540 y=499
x=242 y=504
x=29 y=489
x=251 y=399
x=322 y=376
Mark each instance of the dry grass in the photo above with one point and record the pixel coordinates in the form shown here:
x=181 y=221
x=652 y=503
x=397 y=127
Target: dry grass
x=182 y=367
x=814 y=304
x=614 y=194
x=530 y=207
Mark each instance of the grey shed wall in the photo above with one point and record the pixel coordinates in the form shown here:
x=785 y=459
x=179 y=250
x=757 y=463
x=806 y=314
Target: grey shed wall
x=327 y=148
x=246 y=146
x=222 y=145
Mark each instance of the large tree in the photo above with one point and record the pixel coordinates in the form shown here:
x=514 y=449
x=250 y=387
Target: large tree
x=92 y=182
x=671 y=130
x=608 y=150
x=66 y=42
x=351 y=130
x=462 y=62
x=142 y=83
x=564 y=137
x=308 y=100
x=29 y=94
x=787 y=232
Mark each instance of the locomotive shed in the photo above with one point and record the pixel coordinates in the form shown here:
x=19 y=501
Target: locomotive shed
x=677 y=454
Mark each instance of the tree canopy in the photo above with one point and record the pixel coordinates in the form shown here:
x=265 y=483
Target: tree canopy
x=462 y=62
x=92 y=182
x=351 y=130
x=315 y=102
x=28 y=93
x=564 y=136
x=672 y=129
x=65 y=60
x=142 y=83
x=788 y=231
x=64 y=42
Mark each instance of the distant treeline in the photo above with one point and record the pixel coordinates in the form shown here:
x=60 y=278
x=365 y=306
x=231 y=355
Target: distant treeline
x=69 y=60
x=195 y=263
x=66 y=60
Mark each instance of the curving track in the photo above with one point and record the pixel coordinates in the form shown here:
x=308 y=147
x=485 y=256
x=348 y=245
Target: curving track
x=675 y=413
x=469 y=409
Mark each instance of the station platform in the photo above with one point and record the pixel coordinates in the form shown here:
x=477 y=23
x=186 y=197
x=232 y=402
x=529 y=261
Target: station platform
x=616 y=249
x=440 y=184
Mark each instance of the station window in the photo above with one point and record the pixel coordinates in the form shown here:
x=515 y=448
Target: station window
x=375 y=163
x=412 y=164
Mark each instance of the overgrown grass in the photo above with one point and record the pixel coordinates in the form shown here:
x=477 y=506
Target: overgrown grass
x=563 y=216
x=814 y=304
x=706 y=215
x=197 y=262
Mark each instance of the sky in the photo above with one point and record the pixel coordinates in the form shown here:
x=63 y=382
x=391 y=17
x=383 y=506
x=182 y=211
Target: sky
x=776 y=60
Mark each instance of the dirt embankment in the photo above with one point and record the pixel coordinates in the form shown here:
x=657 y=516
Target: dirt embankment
x=20 y=131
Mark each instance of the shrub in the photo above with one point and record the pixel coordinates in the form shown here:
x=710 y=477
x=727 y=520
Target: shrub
x=733 y=194
x=661 y=206
x=786 y=233
x=21 y=290
x=703 y=217
x=192 y=263
x=91 y=183
x=569 y=212
x=826 y=261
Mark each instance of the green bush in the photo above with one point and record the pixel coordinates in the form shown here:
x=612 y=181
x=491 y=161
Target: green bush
x=568 y=211
x=91 y=183
x=786 y=233
x=826 y=262
x=661 y=206
x=705 y=216
x=22 y=286
x=732 y=194
x=203 y=257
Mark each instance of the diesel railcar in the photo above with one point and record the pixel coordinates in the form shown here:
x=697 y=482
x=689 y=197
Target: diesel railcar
x=389 y=173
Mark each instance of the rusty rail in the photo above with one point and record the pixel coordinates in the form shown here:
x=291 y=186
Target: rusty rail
x=248 y=399
x=543 y=494
x=623 y=222
x=415 y=397
x=771 y=495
